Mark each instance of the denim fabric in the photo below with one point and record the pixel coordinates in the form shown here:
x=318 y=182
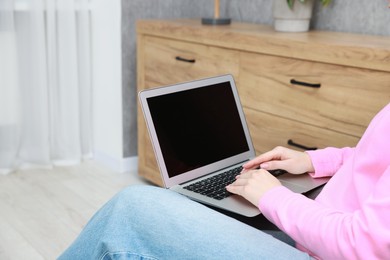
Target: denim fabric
x=145 y=222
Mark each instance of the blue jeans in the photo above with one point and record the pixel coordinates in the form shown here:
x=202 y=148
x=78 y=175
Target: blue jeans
x=145 y=222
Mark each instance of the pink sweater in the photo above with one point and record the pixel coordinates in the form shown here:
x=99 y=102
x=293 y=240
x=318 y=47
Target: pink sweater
x=350 y=218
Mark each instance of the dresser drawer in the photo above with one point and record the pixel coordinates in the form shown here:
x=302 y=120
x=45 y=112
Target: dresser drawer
x=166 y=62
x=169 y=61
x=269 y=131
x=346 y=100
x=353 y=71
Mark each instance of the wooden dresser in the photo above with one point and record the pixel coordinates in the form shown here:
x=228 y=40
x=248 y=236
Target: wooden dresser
x=300 y=90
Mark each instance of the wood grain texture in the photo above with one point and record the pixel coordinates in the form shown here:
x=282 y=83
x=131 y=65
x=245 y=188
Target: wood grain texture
x=353 y=71
x=364 y=51
x=42 y=211
x=346 y=101
x=268 y=131
x=161 y=66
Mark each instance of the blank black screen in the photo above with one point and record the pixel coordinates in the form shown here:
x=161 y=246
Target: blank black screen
x=197 y=127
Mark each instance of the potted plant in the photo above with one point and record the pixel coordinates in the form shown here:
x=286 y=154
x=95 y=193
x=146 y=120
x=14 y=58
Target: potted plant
x=292 y=15
x=291 y=2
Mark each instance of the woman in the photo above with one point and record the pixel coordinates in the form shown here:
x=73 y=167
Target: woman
x=348 y=220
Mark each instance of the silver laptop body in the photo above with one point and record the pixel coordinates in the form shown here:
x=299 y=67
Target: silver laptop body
x=198 y=130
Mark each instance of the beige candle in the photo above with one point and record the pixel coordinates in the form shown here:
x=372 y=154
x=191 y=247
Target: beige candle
x=216 y=9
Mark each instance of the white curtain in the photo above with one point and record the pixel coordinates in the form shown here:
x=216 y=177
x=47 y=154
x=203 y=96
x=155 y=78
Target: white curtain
x=45 y=83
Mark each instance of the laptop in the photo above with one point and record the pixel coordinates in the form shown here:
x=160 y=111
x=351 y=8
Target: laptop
x=198 y=131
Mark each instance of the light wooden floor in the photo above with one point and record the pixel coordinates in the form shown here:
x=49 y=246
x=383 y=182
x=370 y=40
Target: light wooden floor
x=42 y=211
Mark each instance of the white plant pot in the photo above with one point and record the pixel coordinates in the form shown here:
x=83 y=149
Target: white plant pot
x=292 y=20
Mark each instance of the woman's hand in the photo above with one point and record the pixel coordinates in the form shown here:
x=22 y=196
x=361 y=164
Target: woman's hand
x=292 y=161
x=253 y=184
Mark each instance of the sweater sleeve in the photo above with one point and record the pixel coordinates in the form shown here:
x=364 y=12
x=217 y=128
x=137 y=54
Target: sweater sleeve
x=331 y=234
x=327 y=161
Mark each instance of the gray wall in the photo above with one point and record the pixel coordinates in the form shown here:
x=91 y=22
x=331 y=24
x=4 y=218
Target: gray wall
x=366 y=17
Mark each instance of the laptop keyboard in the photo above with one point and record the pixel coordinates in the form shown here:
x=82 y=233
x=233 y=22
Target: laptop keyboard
x=277 y=172
x=215 y=187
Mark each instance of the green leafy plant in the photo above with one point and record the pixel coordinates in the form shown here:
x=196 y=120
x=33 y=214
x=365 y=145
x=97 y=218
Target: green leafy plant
x=291 y=2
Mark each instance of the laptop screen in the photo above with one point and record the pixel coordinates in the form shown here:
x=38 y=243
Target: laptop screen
x=197 y=127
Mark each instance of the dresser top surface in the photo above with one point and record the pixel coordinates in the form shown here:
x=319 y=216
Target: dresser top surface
x=366 y=51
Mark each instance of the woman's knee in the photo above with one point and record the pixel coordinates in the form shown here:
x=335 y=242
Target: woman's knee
x=140 y=197
x=132 y=194
x=140 y=192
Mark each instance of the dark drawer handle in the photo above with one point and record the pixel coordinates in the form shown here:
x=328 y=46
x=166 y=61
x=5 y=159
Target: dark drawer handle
x=305 y=84
x=300 y=146
x=185 y=60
